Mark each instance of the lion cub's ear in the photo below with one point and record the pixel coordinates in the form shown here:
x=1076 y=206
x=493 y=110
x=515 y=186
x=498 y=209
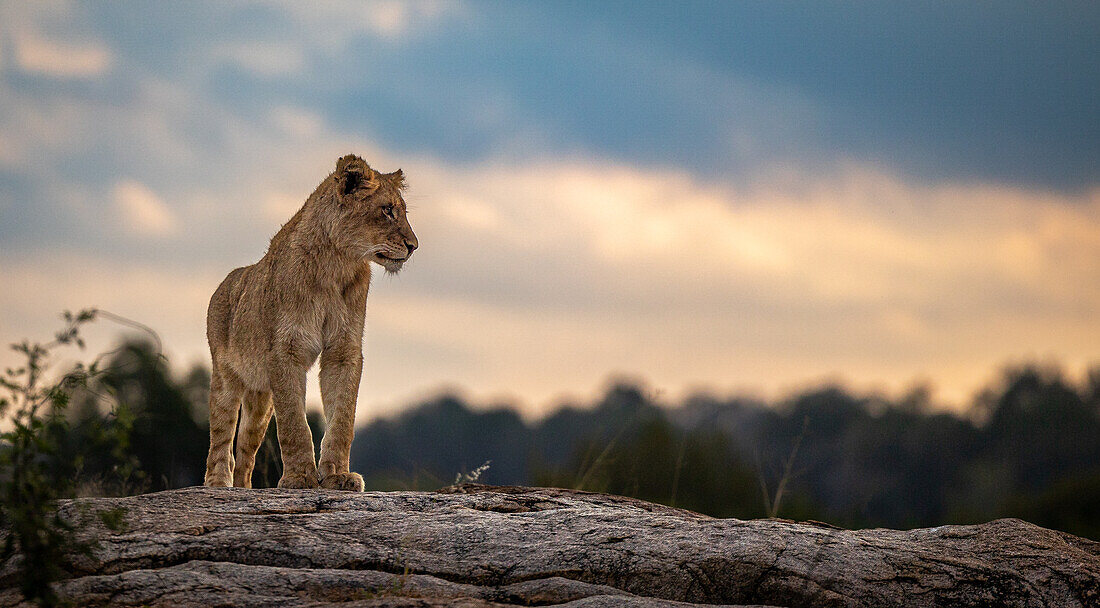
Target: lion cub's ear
x=353 y=173
x=397 y=178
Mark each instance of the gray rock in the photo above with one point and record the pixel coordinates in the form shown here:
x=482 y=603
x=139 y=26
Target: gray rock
x=474 y=545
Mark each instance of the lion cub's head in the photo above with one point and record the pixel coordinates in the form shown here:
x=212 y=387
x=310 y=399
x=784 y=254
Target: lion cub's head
x=372 y=219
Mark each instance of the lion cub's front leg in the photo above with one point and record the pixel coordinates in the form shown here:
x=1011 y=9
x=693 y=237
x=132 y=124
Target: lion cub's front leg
x=288 y=391
x=341 y=368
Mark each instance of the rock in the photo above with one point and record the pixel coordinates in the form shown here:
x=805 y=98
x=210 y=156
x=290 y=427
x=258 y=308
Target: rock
x=474 y=545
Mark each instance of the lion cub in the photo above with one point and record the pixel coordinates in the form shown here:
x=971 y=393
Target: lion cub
x=268 y=322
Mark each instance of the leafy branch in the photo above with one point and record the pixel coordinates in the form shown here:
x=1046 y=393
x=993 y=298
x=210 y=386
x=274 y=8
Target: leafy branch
x=34 y=471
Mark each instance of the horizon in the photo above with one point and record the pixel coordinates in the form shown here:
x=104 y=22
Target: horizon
x=588 y=399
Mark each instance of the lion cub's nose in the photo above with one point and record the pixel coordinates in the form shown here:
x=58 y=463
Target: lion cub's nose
x=411 y=245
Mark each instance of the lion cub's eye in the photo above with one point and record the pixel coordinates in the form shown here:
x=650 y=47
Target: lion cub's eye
x=390 y=213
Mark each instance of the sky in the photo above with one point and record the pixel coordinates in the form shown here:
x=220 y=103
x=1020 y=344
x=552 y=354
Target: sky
x=750 y=197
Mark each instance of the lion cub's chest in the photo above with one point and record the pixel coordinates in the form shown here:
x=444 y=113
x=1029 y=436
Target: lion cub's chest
x=299 y=332
x=325 y=321
x=340 y=322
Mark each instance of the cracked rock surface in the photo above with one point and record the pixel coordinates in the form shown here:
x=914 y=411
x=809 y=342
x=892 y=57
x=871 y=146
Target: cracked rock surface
x=474 y=545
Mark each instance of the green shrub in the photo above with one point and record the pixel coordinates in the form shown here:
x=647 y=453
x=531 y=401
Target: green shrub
x=35 y=469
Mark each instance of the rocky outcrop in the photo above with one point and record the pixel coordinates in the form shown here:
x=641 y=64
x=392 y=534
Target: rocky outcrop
x=475 y=545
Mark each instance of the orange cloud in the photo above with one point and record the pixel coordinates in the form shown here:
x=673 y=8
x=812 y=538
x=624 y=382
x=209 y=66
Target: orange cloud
x=142 y=211
x=61 y=59
x=534 y=279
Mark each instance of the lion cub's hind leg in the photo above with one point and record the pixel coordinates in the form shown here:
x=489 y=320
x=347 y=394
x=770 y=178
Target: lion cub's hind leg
x=255 y=416
x=225 y=403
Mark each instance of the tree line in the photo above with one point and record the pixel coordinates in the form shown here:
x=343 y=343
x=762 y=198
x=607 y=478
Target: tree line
x=1028 y=446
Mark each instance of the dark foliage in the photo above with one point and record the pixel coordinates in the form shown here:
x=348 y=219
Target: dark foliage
x=461 y=440
x=35 y=469
x=1028 y=447
x=166 y=433
x=164 y=437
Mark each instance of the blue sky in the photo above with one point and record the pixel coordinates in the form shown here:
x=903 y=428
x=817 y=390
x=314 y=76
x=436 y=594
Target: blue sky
x=731 y=195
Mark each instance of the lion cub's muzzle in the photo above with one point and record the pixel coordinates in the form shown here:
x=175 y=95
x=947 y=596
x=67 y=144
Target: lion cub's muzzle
x=393 y=256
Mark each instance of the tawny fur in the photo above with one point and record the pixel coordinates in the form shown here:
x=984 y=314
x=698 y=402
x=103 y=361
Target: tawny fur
x=268 y=322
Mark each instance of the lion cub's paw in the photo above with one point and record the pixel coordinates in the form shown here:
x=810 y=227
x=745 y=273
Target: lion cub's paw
x=218 y=479
x=343 y=481
x=298 y=482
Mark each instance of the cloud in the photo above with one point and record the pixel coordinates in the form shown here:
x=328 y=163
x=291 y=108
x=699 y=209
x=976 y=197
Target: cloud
x=61 y=59
x=542 y=277
x=538 y=271
x=262 y=58
x=391 y=20
x=50 y=39
x=142 y=211
x=536 y=276
x=860 y=238
x=394 y=18
x=557 y=274
x=297 y=122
